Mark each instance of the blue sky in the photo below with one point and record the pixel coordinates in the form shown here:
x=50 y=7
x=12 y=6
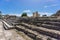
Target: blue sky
x=17 y=7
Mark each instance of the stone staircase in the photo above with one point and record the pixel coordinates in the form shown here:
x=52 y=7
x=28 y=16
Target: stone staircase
x=46 y=30
x=49 y=33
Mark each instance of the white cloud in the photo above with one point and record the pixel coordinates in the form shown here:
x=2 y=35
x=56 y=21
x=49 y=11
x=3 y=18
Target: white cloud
x=41 y=13
x=12 y=14
x=46 y=6
x=45 y=13
x=53 y=5
x=27 y=11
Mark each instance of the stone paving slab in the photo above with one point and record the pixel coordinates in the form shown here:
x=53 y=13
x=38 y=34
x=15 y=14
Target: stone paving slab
x=12 y=35
x=8 y=34
x=2 y=36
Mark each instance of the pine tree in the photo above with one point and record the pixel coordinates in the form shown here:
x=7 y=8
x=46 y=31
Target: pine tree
x=24 y=15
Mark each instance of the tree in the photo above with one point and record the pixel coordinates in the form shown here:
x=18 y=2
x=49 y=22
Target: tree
x=24 y=15
x=44 y=15
x=0 y=14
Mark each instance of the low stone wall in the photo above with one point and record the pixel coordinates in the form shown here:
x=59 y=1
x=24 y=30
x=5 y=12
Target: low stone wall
x=7 y=26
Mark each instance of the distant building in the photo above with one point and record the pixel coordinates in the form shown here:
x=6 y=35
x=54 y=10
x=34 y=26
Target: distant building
x=44 y=15
x=57 y=14
x=9 y=17
x=36 y=14
x=5 y=16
